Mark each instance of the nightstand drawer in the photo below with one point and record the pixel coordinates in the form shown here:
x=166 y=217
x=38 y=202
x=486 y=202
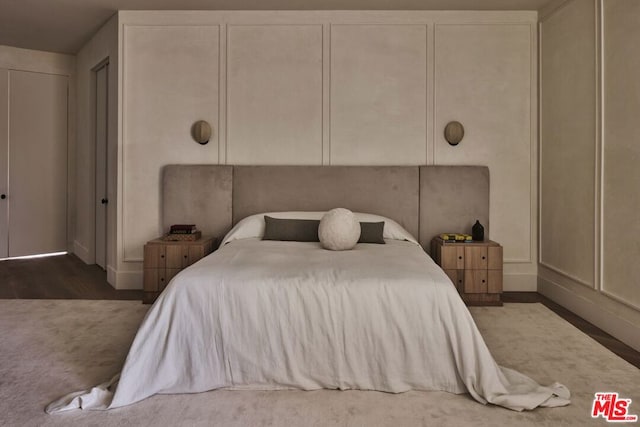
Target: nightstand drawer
x=475 y=281
x=154 y=256
x=475 y=257
x=198 y=252
x=494 y=284
x=177 y=256
x=495 y=258
x=457 y=277
x=156 y=279
x=152 y=279
x=163 y=259
x=451 y=257
x=475 y=268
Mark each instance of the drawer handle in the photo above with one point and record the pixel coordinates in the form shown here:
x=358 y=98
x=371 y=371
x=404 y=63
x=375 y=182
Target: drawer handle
x=459 y=257
x=482 y=280
x=161 y=256
x=460 y=281
x=162 y=279
x=185 y=257
x=483 y=257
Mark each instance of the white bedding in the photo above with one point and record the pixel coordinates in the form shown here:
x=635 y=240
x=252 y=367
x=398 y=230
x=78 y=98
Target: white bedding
x=273 y=315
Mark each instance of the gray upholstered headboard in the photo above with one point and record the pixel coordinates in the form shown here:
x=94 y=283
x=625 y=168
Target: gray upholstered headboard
x=426 y=200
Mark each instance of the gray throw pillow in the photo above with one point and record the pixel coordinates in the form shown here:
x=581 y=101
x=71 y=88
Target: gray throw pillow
x=297 y=230
x=371 y=232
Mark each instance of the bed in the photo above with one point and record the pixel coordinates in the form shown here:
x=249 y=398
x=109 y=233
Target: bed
x=272 y=315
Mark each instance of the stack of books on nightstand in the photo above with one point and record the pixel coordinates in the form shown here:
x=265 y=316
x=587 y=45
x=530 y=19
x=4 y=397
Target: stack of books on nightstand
x=456 y=238
x=183 y=232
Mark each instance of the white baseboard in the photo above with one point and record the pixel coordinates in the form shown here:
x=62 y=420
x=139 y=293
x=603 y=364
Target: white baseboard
x=124 y=279
x=595 y=308
x=520 y=282
x=82 y=252
x=112 y=275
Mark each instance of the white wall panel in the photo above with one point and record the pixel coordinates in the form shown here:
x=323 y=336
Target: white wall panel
x=330 y=87
x=274 y=94
x=483 y=79
x=378 y=94
x=170 y=80
x=589 y=178
x=568 y=141
x=621 y=153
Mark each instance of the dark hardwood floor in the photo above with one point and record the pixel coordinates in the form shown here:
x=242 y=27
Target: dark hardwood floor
x=67 y=277
x=57 y=277
x=613 y=344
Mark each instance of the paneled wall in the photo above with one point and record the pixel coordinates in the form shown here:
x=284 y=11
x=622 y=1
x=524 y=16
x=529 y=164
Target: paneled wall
x=621 y=152
x=568 y=141
x=274 y=94
x=171 y=82
x=332 y=88
x=589 y=202
x=486 y=85
x=378 y=100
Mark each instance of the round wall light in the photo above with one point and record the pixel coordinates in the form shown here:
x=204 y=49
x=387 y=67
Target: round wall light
x=454 y=132
x=201 y=132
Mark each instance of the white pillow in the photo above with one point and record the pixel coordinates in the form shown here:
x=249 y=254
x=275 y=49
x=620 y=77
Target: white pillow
x=339 y=230
x=253 y=225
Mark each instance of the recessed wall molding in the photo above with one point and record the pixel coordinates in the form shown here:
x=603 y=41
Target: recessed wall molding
x=567 y=206
x=585 y=264
x=397 y=124
x=567 y=275
x=460 y=47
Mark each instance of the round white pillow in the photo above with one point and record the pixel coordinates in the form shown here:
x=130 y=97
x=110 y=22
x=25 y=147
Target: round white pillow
x=339 y=230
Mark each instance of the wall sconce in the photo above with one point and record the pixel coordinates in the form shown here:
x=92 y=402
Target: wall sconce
x=453 y=132
x=201 y=132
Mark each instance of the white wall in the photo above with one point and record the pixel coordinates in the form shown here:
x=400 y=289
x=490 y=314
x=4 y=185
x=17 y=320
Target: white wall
x=329 y=88
x=588 y=163
x=621 y=152
x=12 y=58
x=36 y=61
x=102 y=46
x=569 y=130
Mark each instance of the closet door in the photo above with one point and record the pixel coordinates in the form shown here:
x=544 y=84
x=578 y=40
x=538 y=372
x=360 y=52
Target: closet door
x=4 y=164
x=37 y=163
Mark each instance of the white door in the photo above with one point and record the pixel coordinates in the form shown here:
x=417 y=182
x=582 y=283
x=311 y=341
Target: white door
x=4 y=164
x=37 y=195
x=101 y=120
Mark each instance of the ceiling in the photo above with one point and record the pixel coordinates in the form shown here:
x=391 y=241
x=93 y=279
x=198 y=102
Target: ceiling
x=65 y=25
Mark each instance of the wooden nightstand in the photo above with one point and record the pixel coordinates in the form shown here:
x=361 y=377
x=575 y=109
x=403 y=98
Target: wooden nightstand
x=475 y=268
x=163 y=259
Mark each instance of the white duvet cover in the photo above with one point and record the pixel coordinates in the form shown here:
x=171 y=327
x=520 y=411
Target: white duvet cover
x=273 y=315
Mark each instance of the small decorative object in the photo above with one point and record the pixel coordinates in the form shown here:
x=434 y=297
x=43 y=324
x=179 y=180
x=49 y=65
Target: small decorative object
x=183 y=232
x=339 y=230
x=201 y=132
x=183 y=229
x=454 y=132
x=192 y=237
x=456 y=238
x=477 y=231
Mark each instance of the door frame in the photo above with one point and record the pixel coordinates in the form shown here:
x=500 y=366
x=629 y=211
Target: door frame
x=94 y=157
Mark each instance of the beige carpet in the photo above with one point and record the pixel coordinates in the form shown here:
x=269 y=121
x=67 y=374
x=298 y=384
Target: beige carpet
x=51 y=347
